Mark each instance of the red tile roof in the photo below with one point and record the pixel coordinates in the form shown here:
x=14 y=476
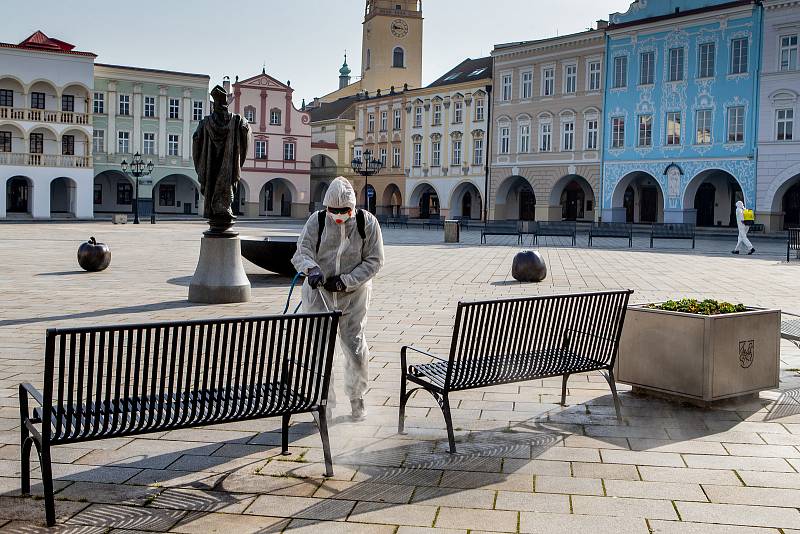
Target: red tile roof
x=38 y=40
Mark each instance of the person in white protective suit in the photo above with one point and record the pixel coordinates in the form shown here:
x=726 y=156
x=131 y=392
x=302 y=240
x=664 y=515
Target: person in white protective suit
x=743 y=241
x=340 y=250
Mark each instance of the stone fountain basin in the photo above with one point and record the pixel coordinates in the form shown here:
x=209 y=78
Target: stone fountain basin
x=273 y=253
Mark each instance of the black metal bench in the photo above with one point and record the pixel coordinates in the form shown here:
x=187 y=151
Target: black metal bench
x=504 y=341
x=555 y=229
x=126 y=380
x=793 y=243
x=611 y=229
x=433 y=222
x=672 y=231
x=464 y=222
x=790 y=328
x=398 y=222
x=501 y=228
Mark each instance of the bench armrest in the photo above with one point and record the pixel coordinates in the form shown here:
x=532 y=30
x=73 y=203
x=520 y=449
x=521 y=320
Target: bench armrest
x=406 y=348
x=27 y=387
x=568 y=330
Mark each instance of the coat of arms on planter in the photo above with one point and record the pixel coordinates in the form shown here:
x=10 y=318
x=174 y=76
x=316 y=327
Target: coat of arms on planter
x=746 y=353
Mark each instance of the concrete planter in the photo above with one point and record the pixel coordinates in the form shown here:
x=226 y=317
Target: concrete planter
x=700 y=358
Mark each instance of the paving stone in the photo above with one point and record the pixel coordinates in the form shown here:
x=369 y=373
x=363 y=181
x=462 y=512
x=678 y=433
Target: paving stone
x=307 y=526
x=532 y=502
x=672 y=491
x=116 y=516
x=455 y=498
x=569 y=485
x=617 y=471
x=365 y=491
x=622 y=506
x=789 y=498
x=108 y=493
x=771 y=480
x=218 y=523
x=302 y=507
x=542 y=523
x=690 y=475
x=737 y=462
x=764 y=451
x=663 y=459
x=31 y=511
x=202 y=500
x=394 y=514
x=425 y=530
x=676 y=527
x=736 y=514
x=493 y=520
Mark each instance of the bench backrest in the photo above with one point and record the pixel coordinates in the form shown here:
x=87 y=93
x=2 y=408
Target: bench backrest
x=588 y=324
x=133 y=379
x=557 y=227
x=502 y=225
x=673 y=230
x=794 y=238
x=611 y=228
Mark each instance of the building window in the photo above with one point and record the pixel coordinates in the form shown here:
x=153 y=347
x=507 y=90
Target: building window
x=396 y=157
x=384 y=121
x=647 y=68
x=288 y=151
x=789 y=48
x=785 y=124
x=173 y=144
x=124 y=194
x=275 y=117
x=618 y=132
x=548 y=81
x=545 y=137
x=645 y=131
x=620 y=72
x=418 y=117
x=67 y=103
x=570 y=79
x=436 y=153
x=124 y=104
x=524 y=141
x=506 y=94
x=197 y=110
x=739 y=53
x=437 y=114
x=568 y=136
x=526 y=91
x=37 y=143
x=123 y=142
x=166 y=195
x=417 y=154
x=703 y=124
x=250 y=114
x=674 y=128
x=98 y=194
x=383 y=157
x=479 y=109
x=706 y=60
x=174 y=108
x=456 y=159
x=149 y=143
x=477 y=152
x=676 y=57
x=592 y=134
x=99 y=141
x=594 y=75
x=37 y=100
x=5 y=141
x=736 y=124
x=68 y=145
x=398 y=58
x=99 y=103
x=149 y=106
x=505 y=140
x=458 y=112
x=396 y=115
x=261 y=149
x=7 y=98
x=371 y=122
x=369 y=59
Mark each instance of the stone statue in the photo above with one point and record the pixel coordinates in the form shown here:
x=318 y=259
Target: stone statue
x=219 y=149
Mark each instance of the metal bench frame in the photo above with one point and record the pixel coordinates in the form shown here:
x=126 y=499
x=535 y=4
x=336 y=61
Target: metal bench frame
x=397 y=221
x=793 y=243
x=555 y=229
x=501 y=228
x=103 y=382
x=672 y=231
x=534 y=338
x=437 y=222
x=621 y=230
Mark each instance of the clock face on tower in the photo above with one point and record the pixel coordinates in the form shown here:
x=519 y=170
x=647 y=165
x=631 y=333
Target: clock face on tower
x=399 y=28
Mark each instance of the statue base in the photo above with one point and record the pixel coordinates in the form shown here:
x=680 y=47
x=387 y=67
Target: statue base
x=219 y=277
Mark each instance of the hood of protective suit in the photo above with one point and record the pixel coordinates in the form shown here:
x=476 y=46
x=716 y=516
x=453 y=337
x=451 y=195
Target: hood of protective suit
x=739 y=204
x=340 y=194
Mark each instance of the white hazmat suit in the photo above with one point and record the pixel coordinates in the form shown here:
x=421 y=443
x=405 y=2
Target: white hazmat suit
x=743 y=241
x=343 y=252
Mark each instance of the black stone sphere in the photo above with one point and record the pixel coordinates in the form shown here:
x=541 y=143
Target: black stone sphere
x=94 y=256
x=529 y=266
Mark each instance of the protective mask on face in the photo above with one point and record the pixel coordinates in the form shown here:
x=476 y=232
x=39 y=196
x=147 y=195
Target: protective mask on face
x=340 y=218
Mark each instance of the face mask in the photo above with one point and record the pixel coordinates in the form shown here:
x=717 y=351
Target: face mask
x=340 y=218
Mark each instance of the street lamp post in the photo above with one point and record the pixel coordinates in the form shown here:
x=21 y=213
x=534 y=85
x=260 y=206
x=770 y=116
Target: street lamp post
x=366 y=167
x=138 y=168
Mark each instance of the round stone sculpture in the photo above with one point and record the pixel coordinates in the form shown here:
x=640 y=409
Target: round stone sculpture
x=529 y=266
x=94 y=256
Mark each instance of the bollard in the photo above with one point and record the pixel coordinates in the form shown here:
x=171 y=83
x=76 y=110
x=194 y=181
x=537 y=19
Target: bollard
x=452 y=231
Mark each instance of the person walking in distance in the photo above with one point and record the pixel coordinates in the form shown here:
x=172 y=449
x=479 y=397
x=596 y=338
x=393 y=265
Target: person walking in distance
x=743 y=228
x=340 y=250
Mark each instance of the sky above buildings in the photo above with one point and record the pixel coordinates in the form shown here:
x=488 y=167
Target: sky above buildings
x=302 y=41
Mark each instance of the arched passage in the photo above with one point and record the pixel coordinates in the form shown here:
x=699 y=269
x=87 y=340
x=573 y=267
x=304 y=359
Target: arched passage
x=392 y=201
x=275 y=198
x=240 y=196
x=113 y=193
x=11 y=97
x=19 y=195
x=466 y=201
x=371 y=197
x=515 y=200
x=176 y=194
x=784 y=203
x=318 y=197
x=572 y=199
x=713 y=194
x=425 y=201
x=63 y=197
x=638 y=198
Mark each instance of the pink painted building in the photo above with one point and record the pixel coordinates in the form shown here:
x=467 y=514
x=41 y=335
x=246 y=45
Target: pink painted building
x=276 y=177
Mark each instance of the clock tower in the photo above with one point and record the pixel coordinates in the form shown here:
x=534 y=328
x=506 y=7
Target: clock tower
x=391 y=49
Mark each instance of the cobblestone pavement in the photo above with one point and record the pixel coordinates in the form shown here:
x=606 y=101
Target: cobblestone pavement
x=526 y=464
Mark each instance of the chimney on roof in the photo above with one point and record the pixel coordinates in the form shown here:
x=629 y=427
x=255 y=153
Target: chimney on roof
x=226 y=84
x=602 y=24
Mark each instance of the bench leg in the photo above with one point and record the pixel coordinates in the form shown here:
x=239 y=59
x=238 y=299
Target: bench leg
x=285 y=435
x=564 y=390
x=448 y=420
x=25 y=443
x=611 y=384
x=326 y=445
x=47 y=483
x=401 y=415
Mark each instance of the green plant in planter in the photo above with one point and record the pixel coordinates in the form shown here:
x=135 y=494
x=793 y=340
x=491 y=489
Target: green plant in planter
x=705 y=307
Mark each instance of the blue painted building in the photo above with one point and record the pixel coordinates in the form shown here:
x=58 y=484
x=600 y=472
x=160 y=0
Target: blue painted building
x=680 y=114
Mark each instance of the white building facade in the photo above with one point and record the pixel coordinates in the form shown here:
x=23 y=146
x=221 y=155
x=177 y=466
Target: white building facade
x=45 y=129
x=778 y=193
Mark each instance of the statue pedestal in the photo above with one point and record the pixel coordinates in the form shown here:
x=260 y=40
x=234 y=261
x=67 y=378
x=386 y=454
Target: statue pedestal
x=219 y=277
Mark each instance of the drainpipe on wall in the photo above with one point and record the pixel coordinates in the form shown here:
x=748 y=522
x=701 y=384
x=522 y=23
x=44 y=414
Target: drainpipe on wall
x=754 y=116
x=488 y=151
x=602 y=140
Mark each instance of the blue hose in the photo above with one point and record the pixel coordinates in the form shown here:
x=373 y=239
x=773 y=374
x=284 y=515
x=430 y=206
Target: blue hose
x=297 y=277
